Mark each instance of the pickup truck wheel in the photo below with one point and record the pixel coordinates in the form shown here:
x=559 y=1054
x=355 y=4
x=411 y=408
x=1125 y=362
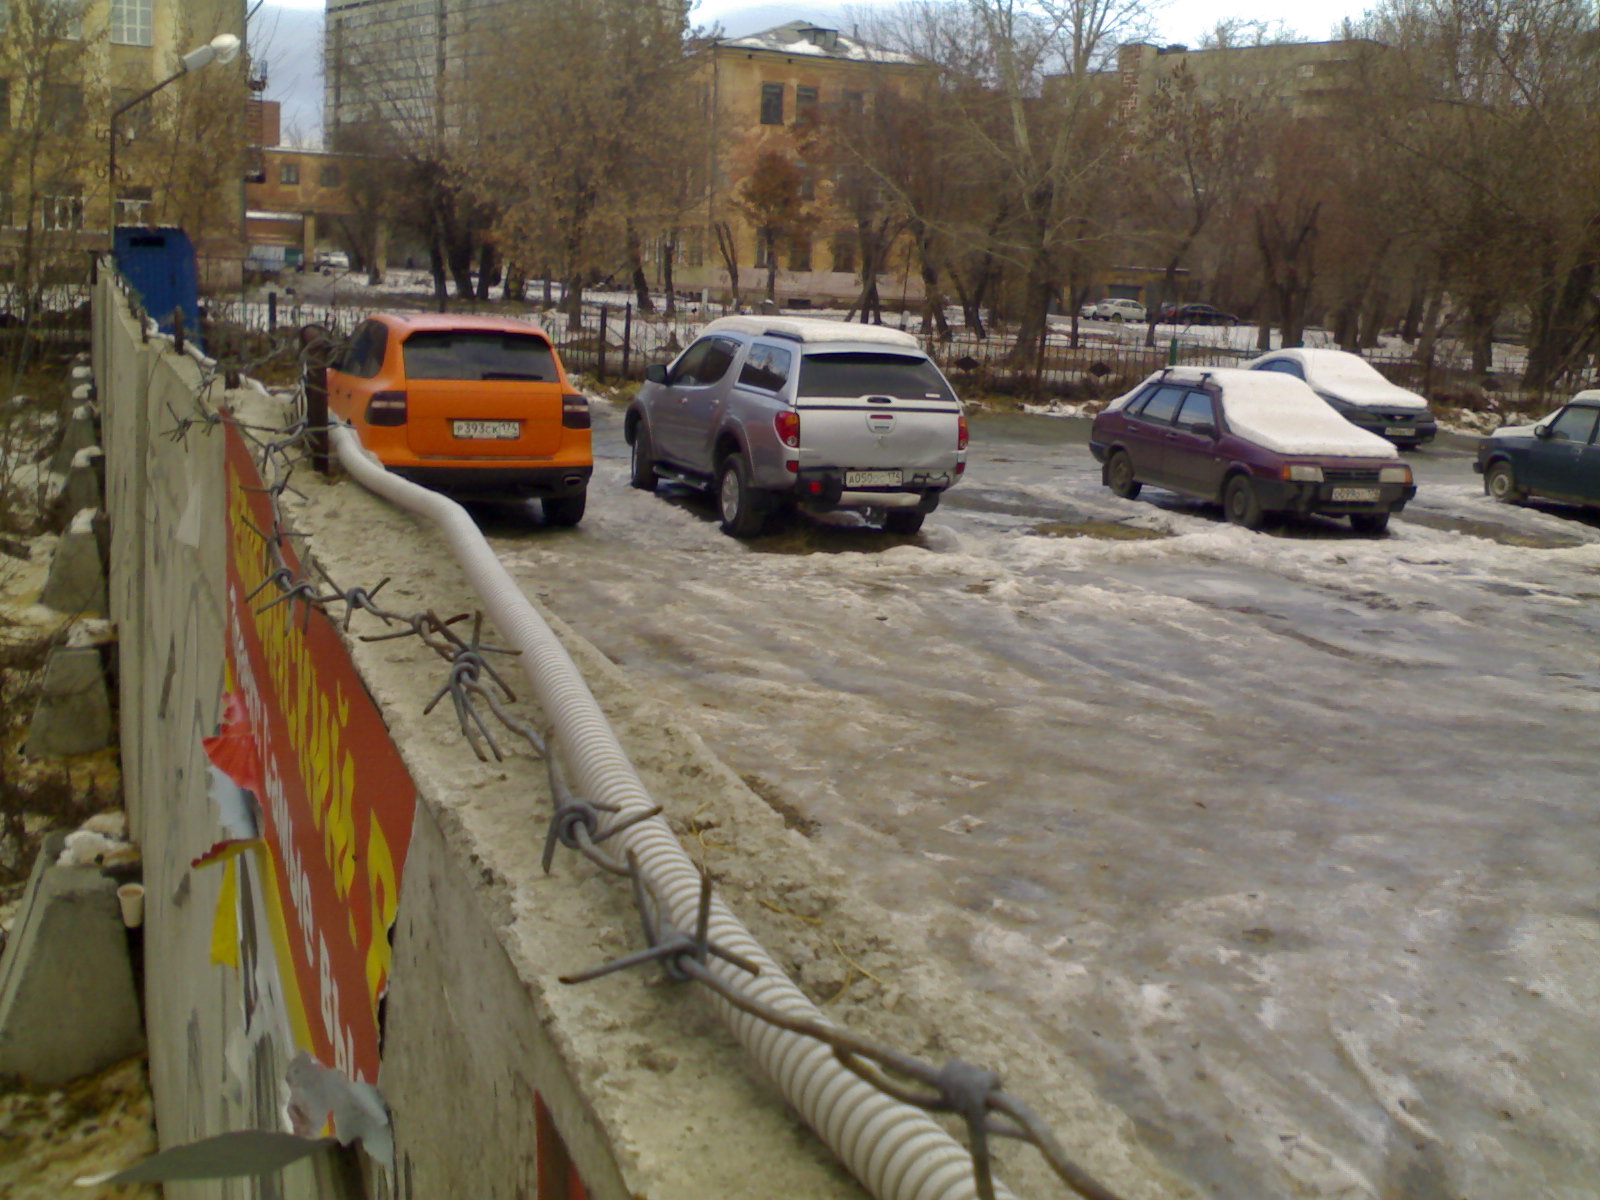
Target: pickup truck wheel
x=642 y=474
x=743 y=514
x=902 y=520
x=1241 y=504
x=564 y=511
x=1119 y=476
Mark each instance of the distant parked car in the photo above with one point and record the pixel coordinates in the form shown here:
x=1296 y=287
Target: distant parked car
x=768 y=412
x=1193 y=314
x=1358 y=393
x=1115 y=309
x=1256 y=442
x=475 y=406
x=1557 y=457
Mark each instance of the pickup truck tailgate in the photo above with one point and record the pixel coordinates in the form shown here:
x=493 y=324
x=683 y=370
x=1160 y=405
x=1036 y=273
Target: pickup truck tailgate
x=878 y=431
x=876 y=410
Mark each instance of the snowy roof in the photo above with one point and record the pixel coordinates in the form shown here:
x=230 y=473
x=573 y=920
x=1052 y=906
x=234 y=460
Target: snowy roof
x=807 y=37
x=1281 y=413
x=815 y=330
x=1349 y=377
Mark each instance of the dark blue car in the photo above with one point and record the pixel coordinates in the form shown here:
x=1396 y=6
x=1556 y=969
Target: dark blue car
x=1557 y=458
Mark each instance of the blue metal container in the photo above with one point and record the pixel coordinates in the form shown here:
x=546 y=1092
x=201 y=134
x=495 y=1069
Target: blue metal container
x=160 y=265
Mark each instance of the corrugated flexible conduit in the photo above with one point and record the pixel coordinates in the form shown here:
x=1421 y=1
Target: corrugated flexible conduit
x=896 y=1150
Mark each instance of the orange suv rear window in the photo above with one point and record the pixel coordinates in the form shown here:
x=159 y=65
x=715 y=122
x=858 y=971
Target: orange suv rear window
x=453 y=354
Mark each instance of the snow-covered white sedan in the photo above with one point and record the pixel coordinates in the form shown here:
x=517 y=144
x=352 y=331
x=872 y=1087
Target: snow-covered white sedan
x=1358 y=393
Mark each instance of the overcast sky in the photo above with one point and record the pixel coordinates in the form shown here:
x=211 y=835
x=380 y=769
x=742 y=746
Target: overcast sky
x=1180 y=20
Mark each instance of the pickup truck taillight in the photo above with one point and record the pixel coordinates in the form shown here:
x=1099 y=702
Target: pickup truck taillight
x=575 y=411
x=788 y=426
x=961 y=433
x=387 y=408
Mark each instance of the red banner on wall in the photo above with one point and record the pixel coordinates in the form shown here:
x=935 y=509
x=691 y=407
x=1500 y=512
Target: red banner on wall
x=336 y=800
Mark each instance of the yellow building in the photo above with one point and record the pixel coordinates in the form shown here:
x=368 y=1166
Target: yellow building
x=65 y=67
x=763 y=94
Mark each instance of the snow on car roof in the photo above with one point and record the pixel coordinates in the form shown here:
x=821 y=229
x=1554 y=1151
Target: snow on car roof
x=812 y=330
x=1351 y=378
x=1283 y=414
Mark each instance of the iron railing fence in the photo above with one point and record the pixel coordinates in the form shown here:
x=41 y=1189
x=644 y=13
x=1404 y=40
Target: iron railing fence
x=612 y=340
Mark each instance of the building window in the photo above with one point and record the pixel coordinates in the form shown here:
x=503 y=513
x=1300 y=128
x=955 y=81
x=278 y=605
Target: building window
x=289 y=174
x=329 y=178
x=800 y=254
x=805 y=104
x=695 y=252
x=65 y=19
x=855 y=103
x=765 y=251
x=130 y=22
x=5 y=92
x=63 y=108
x=133 y=205
x=808 y=184
x=772 y=104
x=61 y=211
x=8 y=214
x=844 y=252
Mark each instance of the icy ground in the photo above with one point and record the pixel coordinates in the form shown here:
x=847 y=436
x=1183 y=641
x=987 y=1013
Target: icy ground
x=1288 y=837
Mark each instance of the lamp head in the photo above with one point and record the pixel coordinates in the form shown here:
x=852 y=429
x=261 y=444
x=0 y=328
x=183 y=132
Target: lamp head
x=223 y=48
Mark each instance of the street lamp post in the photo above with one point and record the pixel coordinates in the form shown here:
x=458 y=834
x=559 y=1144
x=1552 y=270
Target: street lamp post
x=223 y=48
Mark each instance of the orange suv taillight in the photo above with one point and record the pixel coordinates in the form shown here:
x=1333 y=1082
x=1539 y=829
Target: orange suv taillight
x=387 y=408
x=575 y=411
x=961 y=433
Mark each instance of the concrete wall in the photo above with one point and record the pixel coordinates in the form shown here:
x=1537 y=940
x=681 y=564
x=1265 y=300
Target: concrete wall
x=645 y=1094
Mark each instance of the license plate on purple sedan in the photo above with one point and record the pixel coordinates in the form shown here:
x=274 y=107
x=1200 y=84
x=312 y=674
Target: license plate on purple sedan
x=1353 y=494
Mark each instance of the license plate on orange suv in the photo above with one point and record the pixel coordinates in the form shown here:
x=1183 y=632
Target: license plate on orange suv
x=855 y=479
x=490 y=430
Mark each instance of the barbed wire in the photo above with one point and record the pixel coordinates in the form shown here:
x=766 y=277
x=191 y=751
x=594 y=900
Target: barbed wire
x=478 y=693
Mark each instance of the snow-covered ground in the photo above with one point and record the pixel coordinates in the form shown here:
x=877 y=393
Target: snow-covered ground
x=1288 y=837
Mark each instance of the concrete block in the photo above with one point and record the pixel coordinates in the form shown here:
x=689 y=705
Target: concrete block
x=73 y=715
x=77 y=579
x=80 y=433
x=68 y=1002
x=81 y=488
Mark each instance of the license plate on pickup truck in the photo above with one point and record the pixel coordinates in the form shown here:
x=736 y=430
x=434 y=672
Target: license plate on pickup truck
x=494 y=430
x=1353 y=494
x=856 y=479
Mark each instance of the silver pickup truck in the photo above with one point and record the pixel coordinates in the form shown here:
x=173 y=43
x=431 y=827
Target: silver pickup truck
x=819 y=415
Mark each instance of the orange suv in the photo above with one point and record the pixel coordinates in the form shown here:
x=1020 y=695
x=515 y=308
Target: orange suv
x=475 y=406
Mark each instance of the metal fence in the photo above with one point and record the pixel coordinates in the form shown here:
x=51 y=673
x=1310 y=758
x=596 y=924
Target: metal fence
x=613 y=340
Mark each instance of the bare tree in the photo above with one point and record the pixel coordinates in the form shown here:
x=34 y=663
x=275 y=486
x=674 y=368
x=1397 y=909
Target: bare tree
x=579 y=165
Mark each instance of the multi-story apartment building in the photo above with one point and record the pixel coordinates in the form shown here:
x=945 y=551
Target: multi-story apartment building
x=1307 y=78
x=65 y=67
x=400 y=62
x=766 y=93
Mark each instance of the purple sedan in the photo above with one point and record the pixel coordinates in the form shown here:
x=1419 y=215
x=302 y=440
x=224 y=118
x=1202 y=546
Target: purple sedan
x=1256 y=442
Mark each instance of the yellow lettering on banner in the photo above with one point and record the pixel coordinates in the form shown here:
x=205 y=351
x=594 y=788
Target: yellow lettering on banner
x=383 y=889
x=225 y=925
x=342 y=827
